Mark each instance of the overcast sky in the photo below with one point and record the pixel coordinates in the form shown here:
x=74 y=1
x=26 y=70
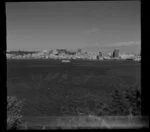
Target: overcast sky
x=47 y=25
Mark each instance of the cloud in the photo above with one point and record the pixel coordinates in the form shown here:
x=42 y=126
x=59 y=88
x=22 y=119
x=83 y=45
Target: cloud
x=128 y=43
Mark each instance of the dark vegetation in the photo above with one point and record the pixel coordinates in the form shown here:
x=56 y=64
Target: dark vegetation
x=14 y=117
x=83 y=88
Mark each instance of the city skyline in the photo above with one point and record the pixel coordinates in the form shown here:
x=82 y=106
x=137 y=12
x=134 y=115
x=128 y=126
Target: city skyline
x=49 y=25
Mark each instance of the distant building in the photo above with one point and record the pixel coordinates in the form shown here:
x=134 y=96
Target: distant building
x=127 y=56
x=106 y=57
x=110 y=54
x=116 y=53
x=55 y=52
x=97 y=57
x=100 y=54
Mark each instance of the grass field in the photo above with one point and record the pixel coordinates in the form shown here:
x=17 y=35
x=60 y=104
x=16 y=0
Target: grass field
x=47 y=86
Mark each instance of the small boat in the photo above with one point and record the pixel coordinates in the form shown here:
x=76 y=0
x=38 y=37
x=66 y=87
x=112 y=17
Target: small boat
x=65 y=61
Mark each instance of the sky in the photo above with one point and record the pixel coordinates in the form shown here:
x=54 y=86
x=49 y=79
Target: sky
x=72 y=25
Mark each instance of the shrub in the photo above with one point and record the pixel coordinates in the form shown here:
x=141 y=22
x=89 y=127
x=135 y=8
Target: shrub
x=133 y=96
x=14 y=117
x=126 y=102
x=103 y=109
x=119 y=105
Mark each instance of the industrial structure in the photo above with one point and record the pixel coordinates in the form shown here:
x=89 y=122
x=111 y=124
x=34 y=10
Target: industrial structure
x=115 y=53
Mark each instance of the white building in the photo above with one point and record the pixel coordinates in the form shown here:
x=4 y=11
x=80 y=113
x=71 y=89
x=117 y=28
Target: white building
x=55 y=51
x=126 y=56
x=106 y=57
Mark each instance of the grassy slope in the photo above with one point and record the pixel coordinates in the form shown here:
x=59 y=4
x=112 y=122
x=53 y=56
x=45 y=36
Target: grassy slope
x=47 y=86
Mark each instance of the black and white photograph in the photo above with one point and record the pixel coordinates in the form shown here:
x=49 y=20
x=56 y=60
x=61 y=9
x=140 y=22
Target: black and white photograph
x=73 y=65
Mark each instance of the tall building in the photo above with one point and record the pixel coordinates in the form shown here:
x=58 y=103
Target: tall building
x=116 y=53
x=100 y=54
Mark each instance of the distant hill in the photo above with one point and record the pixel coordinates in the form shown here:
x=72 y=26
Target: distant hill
x=133 y=48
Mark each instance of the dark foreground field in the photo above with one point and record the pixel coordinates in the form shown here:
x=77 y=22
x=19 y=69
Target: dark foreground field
x=52 y=88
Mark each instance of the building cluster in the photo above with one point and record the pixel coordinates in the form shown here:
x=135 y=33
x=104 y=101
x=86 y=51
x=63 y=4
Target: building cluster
x=65 y=54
